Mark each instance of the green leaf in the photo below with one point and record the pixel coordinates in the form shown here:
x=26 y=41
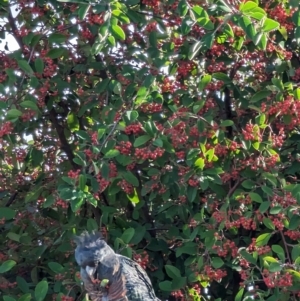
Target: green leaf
x=56 y=53
x=269 y=25
x=268 y=223
x=41 y=290
x=194 y=50
x=294 y=222
x=172 y=271
x=92 y=225
x=261 y=40
x=227 y=123
x=182 y=8
x=263 y=239
x=267 y=190
x=278 y=84
x=166 y=286
x=83 y=10
x=7 y=266
x=133 y=198
x=200 y=163
x=118 y=32
x=260 y=119
x=39 y=65
x=297 y=94
x=239 y=295
x=56 y=267
x=295 y=252
x=205 y=80
x=248 y=257
x=76 y=203
x=57 y=38
x=275 y=267
x=228 y=30
x=8 y=298
x=22 y=284
x=13 y=113
x=111 y=154
x=279 y=251
x=270 y=259
x=25 y=67
x=83 y=135
x=141 y=140
x=276 y=210
x=73 y=122
x=222 y=76
x=7 y=213
x=30 y=105
x=247 y=26
x=131 y=178
x=127 y=235
x=206 y=23
x=255 y=197
x=82 y=182
x=13 y=236
x=247 y=6
x=179 y=283
x=217 y=262
x=191 y=193
x=264 y=206
x=260 y=95
x=296 y=18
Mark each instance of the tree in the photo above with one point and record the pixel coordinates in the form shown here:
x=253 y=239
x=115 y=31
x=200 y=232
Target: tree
x=172 y=127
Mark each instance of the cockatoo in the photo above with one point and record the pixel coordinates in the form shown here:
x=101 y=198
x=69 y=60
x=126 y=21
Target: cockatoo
x=108 y=276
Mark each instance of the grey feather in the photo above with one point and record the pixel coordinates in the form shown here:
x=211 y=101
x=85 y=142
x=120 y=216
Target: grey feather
x=98 y=261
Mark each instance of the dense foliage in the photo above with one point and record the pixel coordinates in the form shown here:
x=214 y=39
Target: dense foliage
x=172 y=127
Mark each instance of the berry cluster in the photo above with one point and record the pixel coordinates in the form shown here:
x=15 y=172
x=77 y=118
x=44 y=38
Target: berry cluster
x=252 y=132
x=185 y=68
x=216 y=67
x=66 y=298
x=142 y=259
x=151 y=26
x=28 y=115
x=168 y=86
x=61 y=203
x=103 y=183
x=134 y=129
x=6 y=129
x=292 y=234
x=178 y=295
x=277 y=279
x=227 y=247
x=113 y=170
x=73 y=174
x=126 y=187
x=214 y=274
x=147 y=153
x=150 y=108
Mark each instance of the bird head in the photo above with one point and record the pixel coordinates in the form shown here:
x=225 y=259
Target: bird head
x=95 y=257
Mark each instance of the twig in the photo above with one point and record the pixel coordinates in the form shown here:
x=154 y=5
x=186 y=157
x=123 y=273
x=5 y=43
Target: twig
x=286 y=247
x=11 y=199
x=13 y=26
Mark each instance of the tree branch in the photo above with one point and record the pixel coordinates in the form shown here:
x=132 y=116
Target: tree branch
x=65 y=146
x=14 y=28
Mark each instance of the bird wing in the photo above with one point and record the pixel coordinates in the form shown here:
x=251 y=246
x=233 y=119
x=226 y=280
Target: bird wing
x=138 y=284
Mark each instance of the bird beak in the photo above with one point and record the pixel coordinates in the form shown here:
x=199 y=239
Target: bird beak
x=91 y=272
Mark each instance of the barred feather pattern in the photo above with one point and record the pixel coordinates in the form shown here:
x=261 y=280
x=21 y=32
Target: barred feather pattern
x=127 y=280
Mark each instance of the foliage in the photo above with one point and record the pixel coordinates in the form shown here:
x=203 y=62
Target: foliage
x=171 y=126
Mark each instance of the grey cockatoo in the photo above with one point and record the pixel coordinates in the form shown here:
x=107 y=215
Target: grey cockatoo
x=100 y=265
